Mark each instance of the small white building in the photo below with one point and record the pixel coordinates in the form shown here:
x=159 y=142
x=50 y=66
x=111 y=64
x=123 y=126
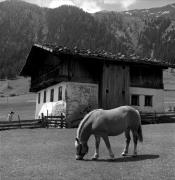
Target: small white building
x=71 y=98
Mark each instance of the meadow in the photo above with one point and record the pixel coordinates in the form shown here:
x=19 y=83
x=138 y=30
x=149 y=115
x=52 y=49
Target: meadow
x=15 y=96
x=49 y=154
x=22 y=105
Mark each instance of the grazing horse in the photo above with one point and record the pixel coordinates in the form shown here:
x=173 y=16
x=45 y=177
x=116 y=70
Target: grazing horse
x=104 y=123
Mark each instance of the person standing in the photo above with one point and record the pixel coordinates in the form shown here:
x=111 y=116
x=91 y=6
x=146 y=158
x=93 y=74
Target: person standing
x=10 y=116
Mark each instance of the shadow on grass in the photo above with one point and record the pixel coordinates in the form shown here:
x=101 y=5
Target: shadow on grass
x=128 y=158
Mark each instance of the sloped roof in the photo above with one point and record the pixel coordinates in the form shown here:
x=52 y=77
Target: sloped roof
x=97 y=55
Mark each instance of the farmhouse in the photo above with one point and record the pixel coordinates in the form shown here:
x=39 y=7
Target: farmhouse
x=75 y=81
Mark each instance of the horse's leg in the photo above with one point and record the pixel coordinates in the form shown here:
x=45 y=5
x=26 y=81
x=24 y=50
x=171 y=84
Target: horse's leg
x=97 y=143
x=128 y=139
x=106 y=140
x=135 y=139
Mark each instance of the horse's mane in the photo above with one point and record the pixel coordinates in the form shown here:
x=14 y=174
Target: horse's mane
x=81 y=125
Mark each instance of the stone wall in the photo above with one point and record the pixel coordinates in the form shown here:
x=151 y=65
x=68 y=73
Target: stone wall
x=80 y=99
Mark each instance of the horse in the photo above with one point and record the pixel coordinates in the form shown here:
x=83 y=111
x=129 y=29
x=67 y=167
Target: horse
x=104 y=123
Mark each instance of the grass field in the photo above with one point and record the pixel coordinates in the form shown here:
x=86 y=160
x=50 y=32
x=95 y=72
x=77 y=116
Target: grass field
x=49 y=154
x=22 y=105
x=15 y=96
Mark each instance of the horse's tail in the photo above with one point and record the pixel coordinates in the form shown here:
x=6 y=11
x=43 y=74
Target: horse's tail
x=139 y=131
x=140 y=135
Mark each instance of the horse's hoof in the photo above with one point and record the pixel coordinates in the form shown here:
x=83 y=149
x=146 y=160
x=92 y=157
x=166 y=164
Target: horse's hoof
x=134 y=155
x=95 y=157
x=124 y=154
x=112 y=157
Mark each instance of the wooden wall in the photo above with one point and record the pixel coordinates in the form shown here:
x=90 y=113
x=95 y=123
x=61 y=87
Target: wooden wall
x=114 y=86
x=84 y=70
x=146 y=77
x=55 y=69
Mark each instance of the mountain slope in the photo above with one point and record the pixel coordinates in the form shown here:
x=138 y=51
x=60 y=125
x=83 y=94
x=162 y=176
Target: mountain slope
x=147 y=33
x=70 y=26
x=19 y=26
x=23 y=24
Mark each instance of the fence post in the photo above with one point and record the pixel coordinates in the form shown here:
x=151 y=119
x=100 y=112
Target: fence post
x=47 y=119
x=61 y=120
x=19 y=121
x=43 y=120
x=155 y=121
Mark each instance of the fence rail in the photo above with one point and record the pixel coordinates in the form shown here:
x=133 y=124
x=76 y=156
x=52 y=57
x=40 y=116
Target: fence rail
x=45 y=122
x=153 y=118
x=5 y=125
x=60 y=121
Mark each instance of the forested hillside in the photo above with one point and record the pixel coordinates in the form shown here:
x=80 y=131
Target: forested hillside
x=147 y=33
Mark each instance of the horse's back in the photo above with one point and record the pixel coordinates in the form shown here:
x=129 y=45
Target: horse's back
x=122 y=113
x=115 y=121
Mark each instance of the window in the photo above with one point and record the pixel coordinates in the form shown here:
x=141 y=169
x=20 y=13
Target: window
x=148 y=101
x=51 y=95
x=135 y=100
x=45 y=95
x=39 y=97
x=60 y=93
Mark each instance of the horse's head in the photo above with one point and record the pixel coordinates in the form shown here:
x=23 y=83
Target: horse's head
x=81 y=149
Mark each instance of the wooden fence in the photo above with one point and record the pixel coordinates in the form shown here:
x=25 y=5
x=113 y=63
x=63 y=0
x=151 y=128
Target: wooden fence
x=7 y=125
x=45 y=122
x=155 y=118
x=54 y=121
x=60 y=121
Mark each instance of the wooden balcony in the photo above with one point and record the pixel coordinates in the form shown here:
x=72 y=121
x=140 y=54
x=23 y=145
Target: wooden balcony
x=46 y=80
x=153 y=85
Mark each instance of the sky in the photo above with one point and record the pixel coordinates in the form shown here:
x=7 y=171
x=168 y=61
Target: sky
x=92 y=6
